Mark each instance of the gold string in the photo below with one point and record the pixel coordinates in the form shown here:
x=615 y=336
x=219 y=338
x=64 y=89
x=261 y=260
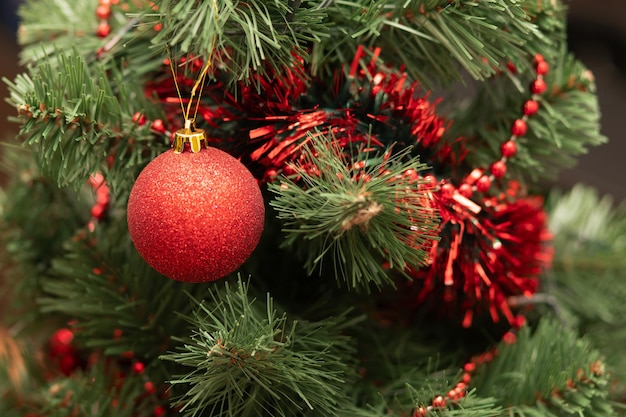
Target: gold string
x=200 y=82
x=180 y=97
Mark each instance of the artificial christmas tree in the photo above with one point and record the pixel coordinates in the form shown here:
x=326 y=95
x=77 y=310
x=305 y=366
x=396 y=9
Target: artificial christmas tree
x=391 y=161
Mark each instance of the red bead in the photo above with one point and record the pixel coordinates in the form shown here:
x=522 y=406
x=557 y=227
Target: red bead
x=138 y=368
x=511 y=67
x=105 y=2
x=519 y=127
x=439 y=402
x=103 y=12
x=103 y=30
x=542 y=68
x=67 y=365
x=149 y=387
x=63 y=337
x=410 y=173
x=508 y=148
x=509 y=338
x=420 y=412
x=469 y=367
x=466 y=190
x=97 y=211
x=447 y=190
x=539 y=58
x=531 y=107
x=117 y=333
x=158 y=126
x=430 y=180
x=159 y=411
x=538 y=86
x=498 y=169
x=484 y=184
x=158 y=27
x=139 y=118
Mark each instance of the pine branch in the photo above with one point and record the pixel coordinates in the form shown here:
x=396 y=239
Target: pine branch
x=133 y=26
x=434 y=39
x=62 y=23
x=365 y=215
x=589 y=267
x=589 y=270
x=78 y=122
x=37 y=218
x=566 y=125
x=96 y=392
x=102 y=283
x=247 y=359
x=550 y=372
x=242 y=38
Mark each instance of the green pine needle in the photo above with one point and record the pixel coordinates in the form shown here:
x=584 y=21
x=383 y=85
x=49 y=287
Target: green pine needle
x=356 y=218
x=246 y=359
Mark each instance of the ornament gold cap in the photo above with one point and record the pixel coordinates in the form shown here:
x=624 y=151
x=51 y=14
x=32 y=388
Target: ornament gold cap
x=189 y=134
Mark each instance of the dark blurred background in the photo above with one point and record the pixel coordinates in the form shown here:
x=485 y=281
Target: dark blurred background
x=597 y=36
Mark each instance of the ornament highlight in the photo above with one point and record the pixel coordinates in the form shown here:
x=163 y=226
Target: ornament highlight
x=195 y=216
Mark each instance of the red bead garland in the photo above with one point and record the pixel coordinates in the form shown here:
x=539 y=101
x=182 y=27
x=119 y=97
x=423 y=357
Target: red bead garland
x=103 y=13
x=480 y=181
x=469 y=368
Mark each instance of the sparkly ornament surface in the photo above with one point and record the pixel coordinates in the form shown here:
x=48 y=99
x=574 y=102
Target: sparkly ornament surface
x=195 y=217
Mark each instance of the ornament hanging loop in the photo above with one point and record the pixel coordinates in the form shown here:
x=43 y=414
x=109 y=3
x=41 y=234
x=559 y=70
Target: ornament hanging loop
x=191 y=135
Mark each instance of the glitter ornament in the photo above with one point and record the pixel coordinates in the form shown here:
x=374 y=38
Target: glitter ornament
x=195 y=216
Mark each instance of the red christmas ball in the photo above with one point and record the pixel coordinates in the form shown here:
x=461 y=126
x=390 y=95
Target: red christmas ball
x=195 y=217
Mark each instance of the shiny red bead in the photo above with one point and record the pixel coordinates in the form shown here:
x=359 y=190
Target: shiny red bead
x=62 y=337
x=139 y=118
x=420 y=412
x=531 y=107
x=509 y=338
x=103 y=30
x=508 y=148
x=484 y=184
x=103 y=12
x=447 y=190
x=466 y=190
x=498 y=169
x=542 y=68
x=430 y=180
x=159 y=411
x=439 y=402
x=158 y=126
x=539 y=58
x=410 y=173
x=538 y=86
x=138 y=368
x=519 y=127
x=511 y=67
x=149 y=387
